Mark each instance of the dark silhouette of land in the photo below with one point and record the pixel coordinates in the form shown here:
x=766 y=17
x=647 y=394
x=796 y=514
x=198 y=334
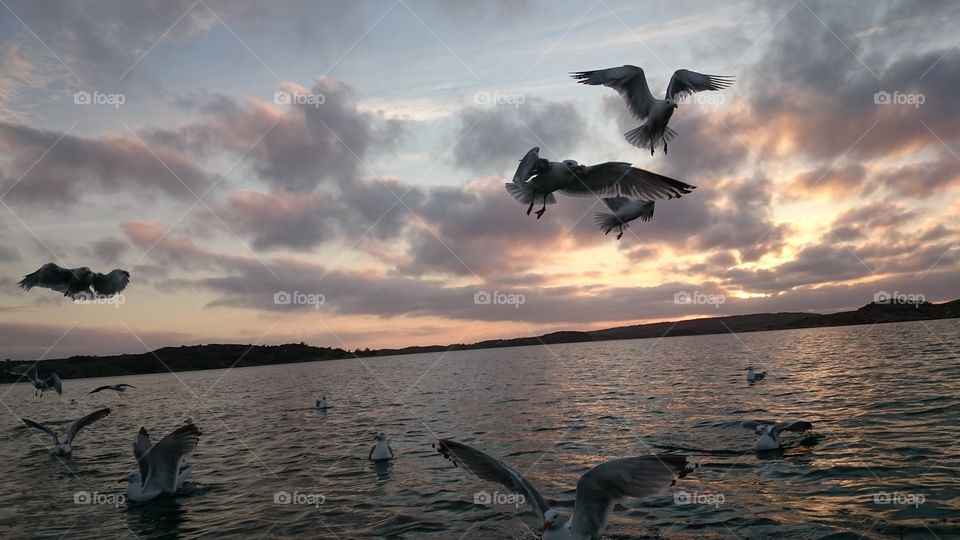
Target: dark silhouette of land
x=214 y=356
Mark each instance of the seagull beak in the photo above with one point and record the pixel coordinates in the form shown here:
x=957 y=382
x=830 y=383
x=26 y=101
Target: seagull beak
x=546 y=525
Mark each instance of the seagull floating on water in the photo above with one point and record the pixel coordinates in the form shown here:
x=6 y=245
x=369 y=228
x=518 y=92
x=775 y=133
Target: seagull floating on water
x=322 y=403
x=76 y=282
x=597 y=490
x=537 y=179
x=63 y=448
x=121 y=388
x=769 y=432
x=381 y=450
x=624 y=211
x=631 y=83
x=753 y=376
x=161 y=466
x=53 y=381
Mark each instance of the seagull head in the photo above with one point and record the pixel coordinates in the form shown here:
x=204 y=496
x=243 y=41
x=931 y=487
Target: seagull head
x=671 y=103
x=573 y=166
x=552 y=520
x=132 y=477
x=381 y=436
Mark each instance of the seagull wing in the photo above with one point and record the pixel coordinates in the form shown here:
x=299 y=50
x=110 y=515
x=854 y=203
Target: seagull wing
x=754 y=424
x=529 y=166
x=487 y=467
x=799 y=426
x=164 y=458
x=614 y=203
x=620 y=179
x=54 y=382
x=49 y=276
x=605 y=484
x=84 y=422
x=126 y=385
x=41 y=427
x=629 y=81
x=140 y=448
x=112 y=283
x=99 y=389
x=685 y=82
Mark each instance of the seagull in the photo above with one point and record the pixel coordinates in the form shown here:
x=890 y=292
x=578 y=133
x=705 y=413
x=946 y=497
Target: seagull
x=536 y=179
x=161 y=466
x=631 y=83
x=381 y=450
x=322 y=403
x=754 y=377
x=769 y=433
x=63 y=448
x=121 y=388
x=53 y=381
x=597 y=490
x=624 y=211
x=76 y=282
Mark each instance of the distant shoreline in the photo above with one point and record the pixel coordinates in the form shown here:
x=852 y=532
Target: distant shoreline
x=221 y=356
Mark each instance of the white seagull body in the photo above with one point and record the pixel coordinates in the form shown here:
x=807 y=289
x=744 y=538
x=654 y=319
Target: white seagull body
x=597 y=490
x=63 y=448
x=753 y=376
x=537 y=179
x=161 y=467
x=76 y=282
x=624 y=211
x=768 y=433
x=53 y=381
x=381 y=450
x=631 y=83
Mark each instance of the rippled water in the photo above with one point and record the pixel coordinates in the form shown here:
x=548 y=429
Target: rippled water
x=884 y=400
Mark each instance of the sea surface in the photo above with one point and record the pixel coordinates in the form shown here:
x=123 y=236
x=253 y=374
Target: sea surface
x=882 y=461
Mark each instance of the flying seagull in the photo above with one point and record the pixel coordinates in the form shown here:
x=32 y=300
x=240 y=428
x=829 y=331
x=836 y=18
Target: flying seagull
x=63 y=448
x=624 y=211
x=161 y=466
x=753 y=376
x=381 y=450
x=53 y=381
x=597 y=490
x=631 y=83
x=536 y=179
x=121 y=388
x=769 y=432
x=76 y=282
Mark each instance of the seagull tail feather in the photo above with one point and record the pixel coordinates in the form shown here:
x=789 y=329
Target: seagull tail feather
x=606 y=222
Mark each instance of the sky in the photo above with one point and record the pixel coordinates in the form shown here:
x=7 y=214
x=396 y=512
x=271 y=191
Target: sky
x=332 y=172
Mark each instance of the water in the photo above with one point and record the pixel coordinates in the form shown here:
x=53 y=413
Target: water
x=884 y=400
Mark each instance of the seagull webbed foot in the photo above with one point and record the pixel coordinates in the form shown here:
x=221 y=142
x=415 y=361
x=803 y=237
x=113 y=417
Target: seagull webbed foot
x=540 y=212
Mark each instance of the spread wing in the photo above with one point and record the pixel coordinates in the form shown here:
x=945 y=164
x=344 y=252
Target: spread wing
x=614 y=203
x=646 y=210
x=605 y=484
x=41 y=427
x=685 y=82
x=99 y=389
x=84 y=422
x=530 y=165
x=112 y=283
x=629 y=81
x=54 y=382
x=754 y=424
x=489 y=468
x=162 y=460
x=799 y=426
x=51 y=276
x=620 y=179
x=140 y=448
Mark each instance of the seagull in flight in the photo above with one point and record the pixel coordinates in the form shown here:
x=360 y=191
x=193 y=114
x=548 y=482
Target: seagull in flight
x=597 y=490
x=76 y=282
x=624 y=211
x=537 y=179
x=768 y=433
x=121 y=388
x=631 y=83
x=161 y=466
x=63 y=448
x=53 y=381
